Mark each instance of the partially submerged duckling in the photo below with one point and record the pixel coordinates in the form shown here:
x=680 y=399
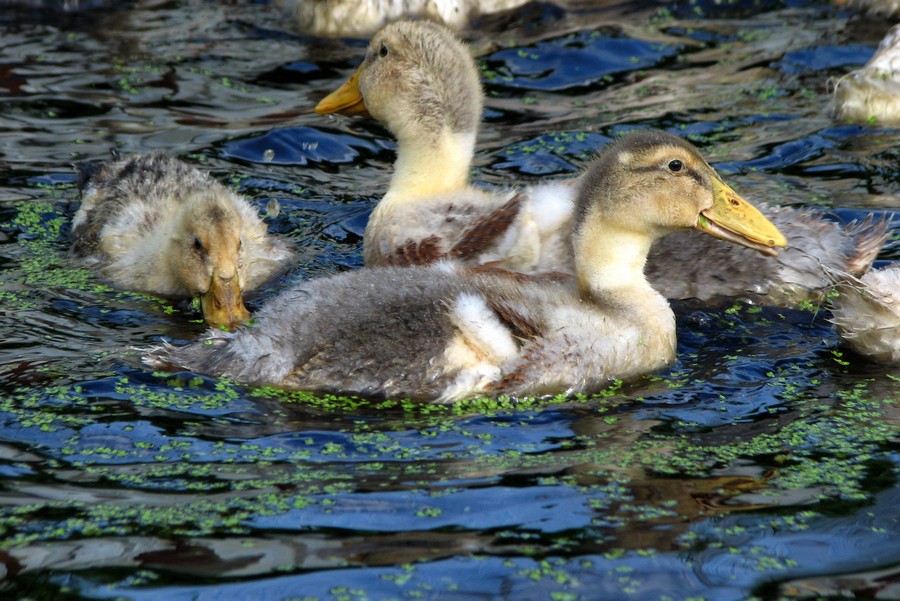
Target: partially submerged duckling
x=873 y=92
x=422 y=84
x=866 y=312
x=152 y=223
x=446 y=332
x=361 y=18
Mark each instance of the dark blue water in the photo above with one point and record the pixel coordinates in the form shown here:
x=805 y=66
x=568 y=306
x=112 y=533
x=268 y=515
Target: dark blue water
x=763 y=463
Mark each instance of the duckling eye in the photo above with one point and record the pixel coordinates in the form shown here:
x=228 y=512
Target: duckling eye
x=383 y=52
x=198 y=246
x=675 y=165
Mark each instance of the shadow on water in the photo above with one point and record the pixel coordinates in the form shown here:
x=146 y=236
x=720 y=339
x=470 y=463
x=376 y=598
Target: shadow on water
x=764 y=462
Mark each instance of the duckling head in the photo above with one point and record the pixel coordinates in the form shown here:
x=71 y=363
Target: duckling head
x=418 y=79
x=650 y=183
x=205 y=255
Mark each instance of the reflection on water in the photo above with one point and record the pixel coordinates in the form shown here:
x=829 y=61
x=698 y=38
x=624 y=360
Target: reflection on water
x=764 y=462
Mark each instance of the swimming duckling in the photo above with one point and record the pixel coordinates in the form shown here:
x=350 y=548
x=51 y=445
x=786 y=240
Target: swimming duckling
x=873 y=92
x=445 y=332
x=154 y=224
x=360 y=18
x=422 y=84
x=866 y=312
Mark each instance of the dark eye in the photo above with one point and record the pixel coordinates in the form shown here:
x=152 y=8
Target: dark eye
x=383 y=51
x=675 y=165
x=198 y=246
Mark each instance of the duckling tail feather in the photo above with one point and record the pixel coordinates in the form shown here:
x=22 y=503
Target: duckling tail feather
x=217 y=354
x=869 y=236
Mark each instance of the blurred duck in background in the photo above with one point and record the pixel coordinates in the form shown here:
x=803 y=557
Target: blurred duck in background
x=872 y=94
x=362 y=18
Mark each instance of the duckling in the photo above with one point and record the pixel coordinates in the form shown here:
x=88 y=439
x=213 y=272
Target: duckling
x=885 y=8
x=873 y=92
x=866 y=312
x=154 y=224
x=444 y=331
x=419 y=80
x=360 y=18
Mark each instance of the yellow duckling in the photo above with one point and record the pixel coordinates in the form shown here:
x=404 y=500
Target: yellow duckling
x=361 y=18
x=873 y=92
x=445 y=332
x=154 y=224
x=867 y=313
x=422 y=84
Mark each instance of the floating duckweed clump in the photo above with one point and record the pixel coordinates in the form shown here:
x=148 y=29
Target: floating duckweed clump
x=44 y=263
x=483 y=405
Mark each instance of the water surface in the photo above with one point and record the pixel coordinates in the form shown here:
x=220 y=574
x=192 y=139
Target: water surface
x=764 y=463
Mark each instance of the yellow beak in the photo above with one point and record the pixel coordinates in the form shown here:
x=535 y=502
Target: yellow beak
x=222 y=304
x=346 y=100
x=734 y=219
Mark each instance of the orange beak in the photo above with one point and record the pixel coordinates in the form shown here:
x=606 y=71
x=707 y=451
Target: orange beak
x=223 y=305
x=734 y=219
x=346 y=100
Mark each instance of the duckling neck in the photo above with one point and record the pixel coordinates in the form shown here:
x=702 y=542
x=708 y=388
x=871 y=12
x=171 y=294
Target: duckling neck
x=610 y=266
x=427 y=166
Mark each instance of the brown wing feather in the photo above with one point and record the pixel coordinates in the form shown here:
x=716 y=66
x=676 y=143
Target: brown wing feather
x=486 y=229
x=869 y=236
x=531 y=357
x=521 y=327
x=417 y=252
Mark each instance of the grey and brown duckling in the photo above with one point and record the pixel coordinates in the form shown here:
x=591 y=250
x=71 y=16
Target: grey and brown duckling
x=444 y=332
x=866 y=311
x=152 y=223
x=419 y=80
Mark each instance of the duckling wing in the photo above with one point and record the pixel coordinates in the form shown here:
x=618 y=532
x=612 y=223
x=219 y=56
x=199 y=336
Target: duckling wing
x=461 y=226
x=487 y=229
x=581 y=349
